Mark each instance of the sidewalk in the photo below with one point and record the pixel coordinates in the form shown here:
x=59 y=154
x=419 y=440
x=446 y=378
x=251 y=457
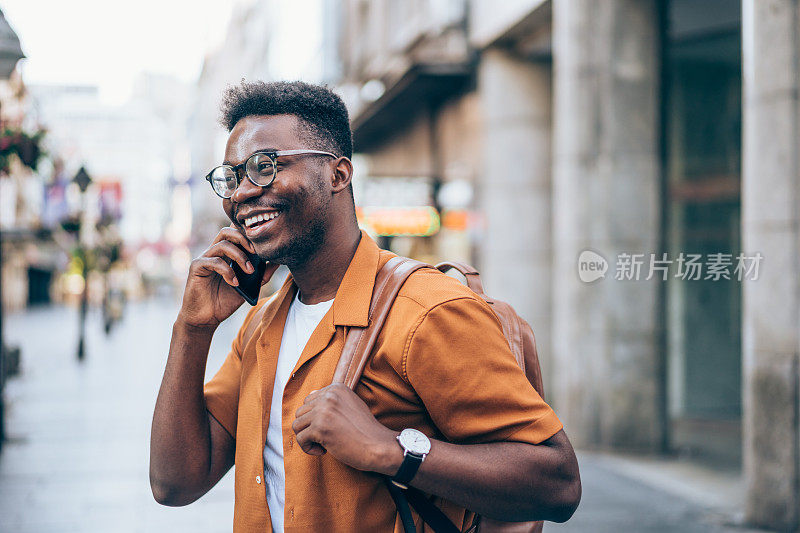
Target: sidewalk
x=78 y=451
x=654 y=495
x=77 y=455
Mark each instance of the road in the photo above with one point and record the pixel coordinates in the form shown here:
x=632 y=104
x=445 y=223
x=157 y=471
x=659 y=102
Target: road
x=77 y=455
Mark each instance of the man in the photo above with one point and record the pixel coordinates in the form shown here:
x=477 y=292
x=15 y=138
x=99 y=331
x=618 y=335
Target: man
x=309 y=455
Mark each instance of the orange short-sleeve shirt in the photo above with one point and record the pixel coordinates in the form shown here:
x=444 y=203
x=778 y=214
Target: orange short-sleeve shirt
x=441 y=365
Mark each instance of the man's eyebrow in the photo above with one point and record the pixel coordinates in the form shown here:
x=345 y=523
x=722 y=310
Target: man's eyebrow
x=226 y=162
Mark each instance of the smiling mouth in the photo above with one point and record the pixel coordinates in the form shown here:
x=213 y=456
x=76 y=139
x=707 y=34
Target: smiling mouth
x=257 y=225
x=260 y=219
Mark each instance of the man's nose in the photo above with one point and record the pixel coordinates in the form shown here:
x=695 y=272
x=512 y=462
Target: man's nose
x=245 y=191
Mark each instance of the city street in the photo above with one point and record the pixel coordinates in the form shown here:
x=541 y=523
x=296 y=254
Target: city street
x=78 y=451
x=77 y=455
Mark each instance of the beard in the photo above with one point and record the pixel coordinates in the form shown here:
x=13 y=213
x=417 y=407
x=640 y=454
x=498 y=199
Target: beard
x=304 y=244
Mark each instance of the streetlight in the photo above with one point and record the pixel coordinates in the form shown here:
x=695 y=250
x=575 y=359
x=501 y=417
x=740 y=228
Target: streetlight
x=83 y=180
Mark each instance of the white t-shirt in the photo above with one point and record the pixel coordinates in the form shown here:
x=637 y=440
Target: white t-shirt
x=301 y=322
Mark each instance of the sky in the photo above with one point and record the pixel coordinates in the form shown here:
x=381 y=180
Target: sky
x=108 y=43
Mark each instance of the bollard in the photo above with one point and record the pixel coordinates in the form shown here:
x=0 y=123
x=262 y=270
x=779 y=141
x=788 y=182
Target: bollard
x=2 y=403
x=9 y=366
x=11 y=361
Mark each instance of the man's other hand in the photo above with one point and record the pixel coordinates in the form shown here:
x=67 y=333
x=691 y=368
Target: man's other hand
x=336 y=420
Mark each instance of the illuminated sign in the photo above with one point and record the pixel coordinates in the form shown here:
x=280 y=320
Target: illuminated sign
x=399 y=221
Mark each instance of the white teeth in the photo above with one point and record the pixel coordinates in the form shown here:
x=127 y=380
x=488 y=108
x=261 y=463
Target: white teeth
x=260 y=218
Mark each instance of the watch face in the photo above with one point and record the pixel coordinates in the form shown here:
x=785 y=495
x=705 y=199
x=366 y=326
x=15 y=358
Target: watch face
x=414 y=441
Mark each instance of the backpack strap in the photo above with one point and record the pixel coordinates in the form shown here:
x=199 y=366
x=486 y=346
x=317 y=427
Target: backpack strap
x=472 y=276
x=360 y=341
x=356 y=352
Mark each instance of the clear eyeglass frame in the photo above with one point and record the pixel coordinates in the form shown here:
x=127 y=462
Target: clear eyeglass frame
x=260 y=168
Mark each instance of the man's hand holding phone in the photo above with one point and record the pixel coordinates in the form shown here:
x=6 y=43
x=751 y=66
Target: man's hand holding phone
x=210 y=295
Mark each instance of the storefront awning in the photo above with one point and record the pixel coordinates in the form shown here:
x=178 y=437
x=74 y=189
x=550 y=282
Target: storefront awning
x=421 y=86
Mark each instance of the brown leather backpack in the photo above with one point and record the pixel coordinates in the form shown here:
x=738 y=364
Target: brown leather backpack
x=360 y=341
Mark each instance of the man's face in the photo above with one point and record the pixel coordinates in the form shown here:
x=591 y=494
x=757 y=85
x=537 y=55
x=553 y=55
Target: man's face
x=296 y=203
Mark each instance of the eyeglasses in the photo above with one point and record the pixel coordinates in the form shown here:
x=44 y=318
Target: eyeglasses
x=260 y=168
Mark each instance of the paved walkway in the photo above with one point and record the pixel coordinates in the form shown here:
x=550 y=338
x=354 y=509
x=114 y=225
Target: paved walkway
x=653 y=496
x=78 y=451
x=77 y=455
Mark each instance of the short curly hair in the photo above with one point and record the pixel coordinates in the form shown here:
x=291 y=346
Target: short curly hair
x=323 y=115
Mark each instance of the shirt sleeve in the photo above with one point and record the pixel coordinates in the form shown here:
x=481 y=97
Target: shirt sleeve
x=221 y=393
x=459 y=363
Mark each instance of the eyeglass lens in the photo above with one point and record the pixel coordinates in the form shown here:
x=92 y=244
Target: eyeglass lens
x=259 y=168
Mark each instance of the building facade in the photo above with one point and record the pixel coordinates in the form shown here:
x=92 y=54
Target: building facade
x=657 y=135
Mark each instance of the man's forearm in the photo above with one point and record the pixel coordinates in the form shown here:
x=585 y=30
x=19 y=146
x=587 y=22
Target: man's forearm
x=502 y=480
x=180 y=441
x=511 y=481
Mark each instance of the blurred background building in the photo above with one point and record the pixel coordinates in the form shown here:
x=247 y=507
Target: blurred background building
x=138 y=160
x=539 y=129
x=514 y=136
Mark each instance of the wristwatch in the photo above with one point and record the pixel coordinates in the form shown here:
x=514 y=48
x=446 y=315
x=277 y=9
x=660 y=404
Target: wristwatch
x=415 y=447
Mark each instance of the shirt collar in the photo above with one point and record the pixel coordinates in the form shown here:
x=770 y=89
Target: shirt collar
x=351 y=304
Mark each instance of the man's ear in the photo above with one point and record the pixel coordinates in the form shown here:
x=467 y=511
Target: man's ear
x=342 y=175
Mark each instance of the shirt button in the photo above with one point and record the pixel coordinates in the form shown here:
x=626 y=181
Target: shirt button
x=292 y=374
x=291 y=441
x=258 y=480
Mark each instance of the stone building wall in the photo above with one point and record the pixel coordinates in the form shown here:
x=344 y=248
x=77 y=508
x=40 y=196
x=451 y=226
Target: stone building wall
x=771 y=226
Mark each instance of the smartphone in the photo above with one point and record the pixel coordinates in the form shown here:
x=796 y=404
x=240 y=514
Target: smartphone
x=249 y=284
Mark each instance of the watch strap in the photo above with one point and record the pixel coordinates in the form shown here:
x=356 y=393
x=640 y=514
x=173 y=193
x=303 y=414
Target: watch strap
x=408 y=469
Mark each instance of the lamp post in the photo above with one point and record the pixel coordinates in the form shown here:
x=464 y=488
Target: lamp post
x=83 y=180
